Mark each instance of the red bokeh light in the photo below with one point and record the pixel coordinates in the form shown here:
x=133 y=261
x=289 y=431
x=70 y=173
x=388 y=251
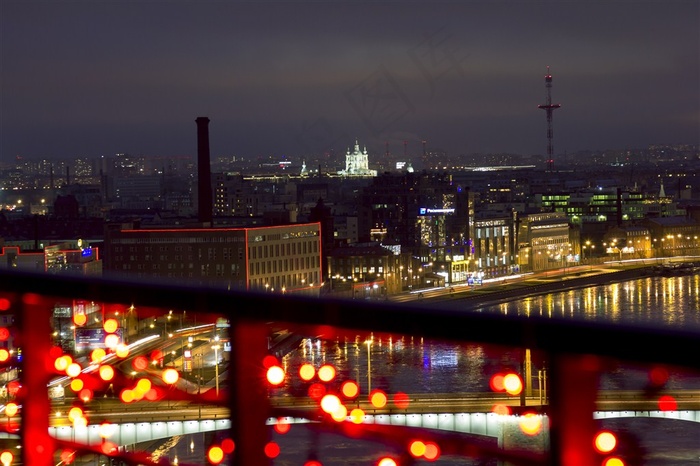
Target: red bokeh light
x=13 y=387
x=282 y=426
x=140 y=363
x=272 y=450
x=55 y=352
x=432 y=451
x=67 y=456
x=108 y=448
x=496 y=383
x=228 y=445
x=316 y=391
x=4 y=334
x=501 y=410
x=401 y=400
x=658 y=376
x=85 y=395
x=668 y=403
x=269 y=361
x=4 y=304
x=156 y=355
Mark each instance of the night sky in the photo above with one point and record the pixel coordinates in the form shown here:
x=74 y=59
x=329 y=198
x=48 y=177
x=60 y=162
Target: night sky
x=291 y=78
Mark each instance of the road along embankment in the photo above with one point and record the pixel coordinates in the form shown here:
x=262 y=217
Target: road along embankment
x=533 y=287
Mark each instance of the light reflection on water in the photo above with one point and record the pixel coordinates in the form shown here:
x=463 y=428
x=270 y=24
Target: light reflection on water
x=673 y=301
x=415 y=366
x=412 y=365
x=409 y=365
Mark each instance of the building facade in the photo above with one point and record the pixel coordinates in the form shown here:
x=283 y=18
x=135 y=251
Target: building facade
x=284 y=259
x=544 y=242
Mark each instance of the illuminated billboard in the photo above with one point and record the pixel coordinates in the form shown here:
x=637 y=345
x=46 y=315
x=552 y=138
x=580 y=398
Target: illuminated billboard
x=428 y=211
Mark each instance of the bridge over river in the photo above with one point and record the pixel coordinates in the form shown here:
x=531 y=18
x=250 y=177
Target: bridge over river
x=464 y=413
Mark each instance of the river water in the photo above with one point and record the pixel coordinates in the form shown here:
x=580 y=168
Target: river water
x=412 y=365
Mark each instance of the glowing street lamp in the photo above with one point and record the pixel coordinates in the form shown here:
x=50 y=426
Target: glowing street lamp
x=369 y=364
x=216 y=364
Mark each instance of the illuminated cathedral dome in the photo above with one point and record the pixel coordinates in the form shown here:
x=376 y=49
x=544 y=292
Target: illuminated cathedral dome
x=357 y=163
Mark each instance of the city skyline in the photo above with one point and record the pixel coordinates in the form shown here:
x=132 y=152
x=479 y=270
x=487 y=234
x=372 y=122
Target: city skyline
x=296 y=78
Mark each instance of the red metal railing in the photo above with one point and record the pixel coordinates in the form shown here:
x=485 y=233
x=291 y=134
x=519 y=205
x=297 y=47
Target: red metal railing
x=577 y=353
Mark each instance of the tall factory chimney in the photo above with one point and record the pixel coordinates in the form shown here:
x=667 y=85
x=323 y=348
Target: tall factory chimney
x=203 y=171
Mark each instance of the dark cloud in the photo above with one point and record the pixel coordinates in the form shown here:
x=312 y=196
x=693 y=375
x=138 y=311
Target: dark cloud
x=91 y=78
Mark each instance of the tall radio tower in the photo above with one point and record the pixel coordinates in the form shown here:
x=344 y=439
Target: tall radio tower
x=549 y=108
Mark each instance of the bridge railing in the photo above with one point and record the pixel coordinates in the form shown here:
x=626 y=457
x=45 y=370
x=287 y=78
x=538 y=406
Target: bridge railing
x=577 y=354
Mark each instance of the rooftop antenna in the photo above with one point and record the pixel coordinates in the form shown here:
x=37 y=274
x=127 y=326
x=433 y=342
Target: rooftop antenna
x=549 y=109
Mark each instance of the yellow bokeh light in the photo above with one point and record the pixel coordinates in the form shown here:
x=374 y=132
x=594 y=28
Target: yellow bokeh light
x=11 y=409
x=326 y=373
x=170 y=376
x=127 y=396
x=107 y=429
x=97 y=355
x=614 y=461
x=111 y=341
x=350 y=389
x=106 y=373
x=215 y=455
x=416 y=448
x=143 y=385
x=75 y=413
x=79 y=319
x=512 y=384
x=330 y=403
x=76 y=385
x=111 y=325
x=6 y=458
x=80 y=422
x=386 y=462
x=122 y=350
x=340 y=414
x=357 y=416
x=73 y=370
x=307 y=372
x=62 y=362
x=605 y=442
x=530 y=424
x=275 y=375
x=378 y=399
